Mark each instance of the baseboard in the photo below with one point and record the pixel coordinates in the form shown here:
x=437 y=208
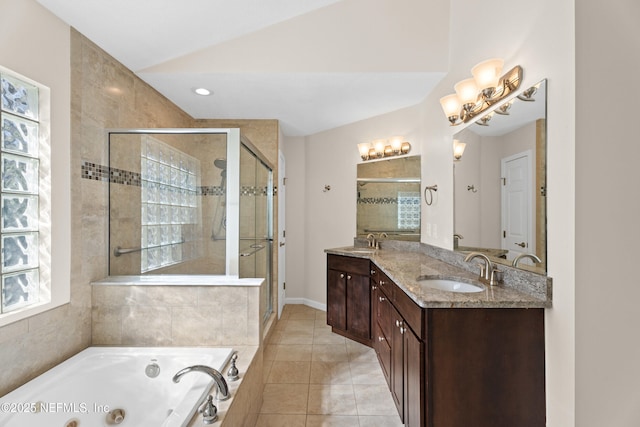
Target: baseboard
x=308 y=302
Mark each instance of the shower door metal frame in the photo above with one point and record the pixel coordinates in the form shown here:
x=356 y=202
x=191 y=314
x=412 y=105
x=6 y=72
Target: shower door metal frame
x=269 y=238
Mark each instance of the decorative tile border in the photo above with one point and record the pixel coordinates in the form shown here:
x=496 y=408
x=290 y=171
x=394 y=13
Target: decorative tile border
x=104 y=173
x=94 y=171
x=378 y=201
x=210 y=190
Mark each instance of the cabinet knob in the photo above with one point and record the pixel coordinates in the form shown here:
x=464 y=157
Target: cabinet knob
x=348 y=277
x=402 y=329
x=374 y=287
x=381 y=299
x=373 y=272
x=342 y=275
x=381 y=282
x=380 y=339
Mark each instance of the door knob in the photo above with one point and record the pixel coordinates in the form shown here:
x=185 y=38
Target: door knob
x=521 y=244
x=281 y=244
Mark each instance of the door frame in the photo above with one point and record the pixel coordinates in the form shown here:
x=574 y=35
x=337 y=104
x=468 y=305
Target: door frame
x=531 y=241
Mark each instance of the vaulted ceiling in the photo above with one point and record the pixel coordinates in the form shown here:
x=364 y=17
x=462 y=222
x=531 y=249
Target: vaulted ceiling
x=312 y=64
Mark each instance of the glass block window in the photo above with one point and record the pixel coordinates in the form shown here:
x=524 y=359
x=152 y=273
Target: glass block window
x=170 y=204
x=19 y=192
x=408 y=210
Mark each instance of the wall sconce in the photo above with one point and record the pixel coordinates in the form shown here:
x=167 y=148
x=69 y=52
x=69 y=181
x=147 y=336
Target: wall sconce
x=458 y=149
x=380 y=148
x=475 y=95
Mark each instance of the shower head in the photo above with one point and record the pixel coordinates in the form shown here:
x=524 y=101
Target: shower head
x=220 y=163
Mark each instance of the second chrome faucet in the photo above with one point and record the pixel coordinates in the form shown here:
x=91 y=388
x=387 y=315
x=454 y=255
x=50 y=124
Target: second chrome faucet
x=488 y=273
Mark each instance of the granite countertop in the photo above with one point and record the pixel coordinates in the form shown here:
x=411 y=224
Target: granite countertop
x=404 y=268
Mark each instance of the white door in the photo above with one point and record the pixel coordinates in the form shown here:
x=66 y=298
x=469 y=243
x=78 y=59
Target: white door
x=517 y=204
x=281 y=233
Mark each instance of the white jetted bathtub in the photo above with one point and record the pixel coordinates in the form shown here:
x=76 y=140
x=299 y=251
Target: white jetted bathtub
x=109 y=386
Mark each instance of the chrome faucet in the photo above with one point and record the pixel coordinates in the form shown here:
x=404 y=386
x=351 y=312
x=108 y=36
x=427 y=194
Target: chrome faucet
x=486 y=271
x=533 y=257
x=222 y=390
x=456 y=238
x=373 y=243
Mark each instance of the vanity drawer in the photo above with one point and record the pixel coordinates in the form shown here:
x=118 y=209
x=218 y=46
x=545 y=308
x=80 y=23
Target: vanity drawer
x=385 y=284
x=348 y=264
x=408 y=309
x=412 y=313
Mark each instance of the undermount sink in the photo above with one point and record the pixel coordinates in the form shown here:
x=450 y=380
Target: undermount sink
x=361 y=250
x=450 y=285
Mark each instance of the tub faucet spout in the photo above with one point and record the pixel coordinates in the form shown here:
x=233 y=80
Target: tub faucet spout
x=222 y=389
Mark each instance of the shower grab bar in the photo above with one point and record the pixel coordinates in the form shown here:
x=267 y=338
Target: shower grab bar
x=256 y=247
x=123 y=251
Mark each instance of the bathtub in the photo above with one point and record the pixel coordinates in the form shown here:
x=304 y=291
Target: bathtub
x=109 y=386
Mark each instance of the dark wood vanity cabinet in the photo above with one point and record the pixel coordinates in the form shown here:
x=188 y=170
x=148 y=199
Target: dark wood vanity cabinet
x=349 y=297
x=459 y=367
x=445 y=367
x=399 y=349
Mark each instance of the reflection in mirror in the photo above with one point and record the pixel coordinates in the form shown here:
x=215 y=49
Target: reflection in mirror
x=500 y=182
x=388 y=194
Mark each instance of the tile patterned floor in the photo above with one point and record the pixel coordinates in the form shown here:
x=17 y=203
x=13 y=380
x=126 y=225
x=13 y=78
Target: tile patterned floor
x=315 y=378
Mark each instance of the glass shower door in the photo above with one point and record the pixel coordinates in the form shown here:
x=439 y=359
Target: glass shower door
x=256 y=236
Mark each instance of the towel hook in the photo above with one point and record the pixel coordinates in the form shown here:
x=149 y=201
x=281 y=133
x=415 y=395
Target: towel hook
x=430 y=189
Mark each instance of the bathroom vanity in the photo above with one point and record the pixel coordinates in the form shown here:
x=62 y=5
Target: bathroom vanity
x=450 y=359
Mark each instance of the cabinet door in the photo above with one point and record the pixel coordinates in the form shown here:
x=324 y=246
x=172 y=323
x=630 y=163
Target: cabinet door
x=358 y=306
x=414 y=410
x=380 y=341
x=336 y=299
x=397 y=361
x=383 y=350
x=383 y=313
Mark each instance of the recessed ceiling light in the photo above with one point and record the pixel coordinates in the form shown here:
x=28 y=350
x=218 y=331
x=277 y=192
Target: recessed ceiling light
x=202 y=91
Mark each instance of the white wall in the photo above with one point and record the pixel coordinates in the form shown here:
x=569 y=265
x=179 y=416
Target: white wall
x=329 y=158
x=607 y=215
x=540 y=37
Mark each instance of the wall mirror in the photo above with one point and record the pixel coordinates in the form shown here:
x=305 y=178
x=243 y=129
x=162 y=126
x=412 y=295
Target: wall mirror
x=388 y=197
x=500 y=182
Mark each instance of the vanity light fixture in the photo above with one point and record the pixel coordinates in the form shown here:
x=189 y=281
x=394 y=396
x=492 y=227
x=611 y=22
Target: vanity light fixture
x=527 y=95
x=380 y=148
x=484 y=120
x=458 y=149
x=475 y=95
x=504 y=108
